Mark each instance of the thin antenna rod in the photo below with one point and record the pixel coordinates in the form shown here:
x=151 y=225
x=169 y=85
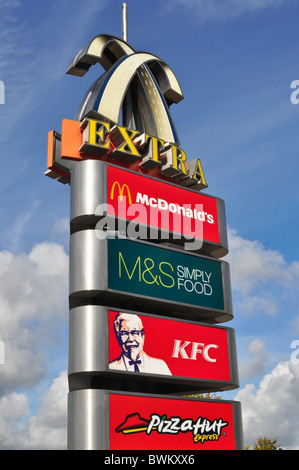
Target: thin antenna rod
x=125 y=23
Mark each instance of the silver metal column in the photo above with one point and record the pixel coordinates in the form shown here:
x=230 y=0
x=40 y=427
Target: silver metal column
x=88 y=420
x=92 y=290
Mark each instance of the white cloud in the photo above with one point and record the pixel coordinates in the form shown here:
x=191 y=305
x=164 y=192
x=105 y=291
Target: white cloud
x=272 y=410
x=47 y=430
x=256 y=364
x=61 y=227
x=251 y=263
x=13 y=408
x=50 y=421
x=50 y=260
x=14 y=235
x=261 y=277
x=61 y=231
x=219 y=9
x=33 y=305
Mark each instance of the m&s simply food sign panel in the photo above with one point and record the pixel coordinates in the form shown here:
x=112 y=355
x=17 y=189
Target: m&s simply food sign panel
x=152 y=271
x=148 y=276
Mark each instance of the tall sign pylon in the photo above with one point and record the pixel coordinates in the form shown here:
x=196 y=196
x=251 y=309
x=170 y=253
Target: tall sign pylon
x=149 y=291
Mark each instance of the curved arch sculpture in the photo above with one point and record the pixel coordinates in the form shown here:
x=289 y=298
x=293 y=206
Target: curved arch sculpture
x=136 y=89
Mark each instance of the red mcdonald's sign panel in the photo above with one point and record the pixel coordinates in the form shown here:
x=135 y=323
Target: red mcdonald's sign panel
x=164 y=206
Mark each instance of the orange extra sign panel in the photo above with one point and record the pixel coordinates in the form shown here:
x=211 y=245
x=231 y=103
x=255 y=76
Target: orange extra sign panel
x=140 y=422
x=161 y=205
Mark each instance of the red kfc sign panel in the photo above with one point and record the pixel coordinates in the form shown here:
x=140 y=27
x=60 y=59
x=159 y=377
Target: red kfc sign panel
x=145 y=422
x=142 y=343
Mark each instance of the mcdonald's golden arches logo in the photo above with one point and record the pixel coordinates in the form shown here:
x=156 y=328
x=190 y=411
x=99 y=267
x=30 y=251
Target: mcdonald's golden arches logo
x=121 y=190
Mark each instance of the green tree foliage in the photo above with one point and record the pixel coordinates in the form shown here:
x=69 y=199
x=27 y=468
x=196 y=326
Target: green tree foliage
x=210 y=396
x=264 y=443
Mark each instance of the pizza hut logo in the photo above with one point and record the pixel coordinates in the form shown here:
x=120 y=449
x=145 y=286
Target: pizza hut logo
x=201 y=429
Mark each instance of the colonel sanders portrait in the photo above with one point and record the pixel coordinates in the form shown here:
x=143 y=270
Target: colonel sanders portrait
x=130 y=335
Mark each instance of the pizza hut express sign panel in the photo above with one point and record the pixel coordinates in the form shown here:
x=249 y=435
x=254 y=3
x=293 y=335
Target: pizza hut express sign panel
x=140 y=422
x=141 y=343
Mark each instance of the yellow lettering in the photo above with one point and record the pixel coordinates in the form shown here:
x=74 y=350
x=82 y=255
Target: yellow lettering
x=180 y=159
x=168 y=275
x=94 y=134
x=122 y=139
x=121 y=258
x=205 y=437
x=149 y=270
x=151 y=152
x=155 y=147
x=175 y=164
x=198 y=174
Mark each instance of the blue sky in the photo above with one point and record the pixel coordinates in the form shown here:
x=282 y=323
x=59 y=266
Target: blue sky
x=235 y=61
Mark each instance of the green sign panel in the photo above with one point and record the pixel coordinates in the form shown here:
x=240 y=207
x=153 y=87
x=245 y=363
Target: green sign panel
x=161 y=273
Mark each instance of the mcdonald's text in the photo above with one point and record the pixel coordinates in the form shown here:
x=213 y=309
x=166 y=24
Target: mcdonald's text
x=151 y=204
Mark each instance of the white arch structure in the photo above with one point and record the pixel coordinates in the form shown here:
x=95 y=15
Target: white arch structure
x=130 y=77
